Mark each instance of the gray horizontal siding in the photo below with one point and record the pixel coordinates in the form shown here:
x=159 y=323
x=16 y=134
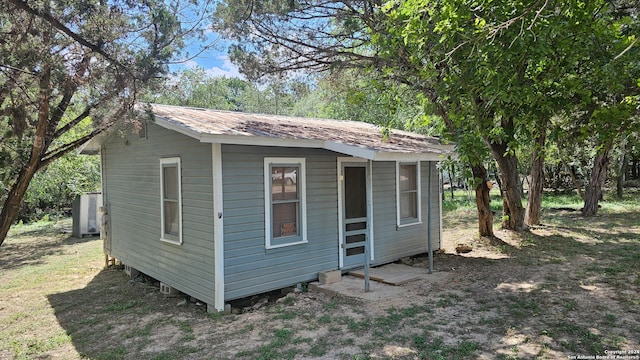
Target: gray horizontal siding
x=249 y=267
x=391 y=242
x=132 y=193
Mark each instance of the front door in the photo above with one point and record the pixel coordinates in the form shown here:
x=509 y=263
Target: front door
x=354 y=214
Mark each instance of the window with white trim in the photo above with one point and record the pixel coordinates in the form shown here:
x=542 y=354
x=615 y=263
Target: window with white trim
x=285 y=202
x=408 y=193
x=171 y=200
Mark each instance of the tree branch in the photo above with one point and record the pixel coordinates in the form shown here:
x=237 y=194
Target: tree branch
x=83 y=115
x=626 y=49
x=64 y=29
x=69 y=88
x=66 y=148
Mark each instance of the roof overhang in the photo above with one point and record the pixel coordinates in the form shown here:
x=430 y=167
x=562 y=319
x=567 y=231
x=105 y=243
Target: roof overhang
x=345 y=149
x=93 y=146
x=381 y=155
x=439 y=152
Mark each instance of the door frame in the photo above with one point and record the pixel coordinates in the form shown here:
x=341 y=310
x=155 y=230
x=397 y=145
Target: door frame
x=368 y=166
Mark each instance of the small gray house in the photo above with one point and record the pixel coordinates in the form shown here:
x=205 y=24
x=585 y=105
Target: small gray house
x=223 y=205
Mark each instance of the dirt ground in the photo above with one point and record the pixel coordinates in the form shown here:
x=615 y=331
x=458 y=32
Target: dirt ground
x=550 y=293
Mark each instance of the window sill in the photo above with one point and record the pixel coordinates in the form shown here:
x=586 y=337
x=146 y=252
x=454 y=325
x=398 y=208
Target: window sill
x=418 y=222
x=171 y=241
x=269 y=246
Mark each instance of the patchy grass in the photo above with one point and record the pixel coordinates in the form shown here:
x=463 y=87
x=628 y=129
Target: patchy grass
x=569 y=287
x=465 y=200
x=436 y=349
x=278 y=348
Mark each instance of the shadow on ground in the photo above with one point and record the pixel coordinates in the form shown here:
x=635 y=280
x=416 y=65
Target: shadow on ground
x=114 y=317
x=553 y=291
x=18 y=254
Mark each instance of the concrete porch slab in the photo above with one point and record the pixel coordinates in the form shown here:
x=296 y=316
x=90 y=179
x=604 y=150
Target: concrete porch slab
x=392 y=274
x=353 y=287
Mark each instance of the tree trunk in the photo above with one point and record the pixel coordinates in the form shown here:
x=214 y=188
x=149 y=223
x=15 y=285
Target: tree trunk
x=451 y=180
x=498 y=180
x=536 y=185
x=622 y=170
x=513 y=210
x=483 y=201
x=593 y=191
x=556 y=178
x=11 y=206
x=525 y=178
x=574 y=178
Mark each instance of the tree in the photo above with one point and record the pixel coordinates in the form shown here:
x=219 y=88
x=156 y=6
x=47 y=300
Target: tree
x=331 y=36
x=54 y=187
x=536 y=186
x=613 y=121
x=624 y=160
x=607 y=105
x=505 y=67
x=352 y=95
x=513 y=65
x=194 y=87
x=67 y=61
x=621 y=170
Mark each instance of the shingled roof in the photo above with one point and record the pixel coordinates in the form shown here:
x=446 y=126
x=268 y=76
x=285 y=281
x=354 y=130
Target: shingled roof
x=347 y=137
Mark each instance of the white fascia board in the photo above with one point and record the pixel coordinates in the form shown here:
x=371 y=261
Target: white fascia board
x=444 y=147
x=376 y=155
x=91 y=147
x=94 y=145
x=175 y=127
x=355 y=151
x=260 y=141
x=408 y=157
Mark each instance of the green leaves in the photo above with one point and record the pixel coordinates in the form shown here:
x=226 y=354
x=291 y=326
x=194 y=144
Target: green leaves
x=55 y=187
x=70 y=70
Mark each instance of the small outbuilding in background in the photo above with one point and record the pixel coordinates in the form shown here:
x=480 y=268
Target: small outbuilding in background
x=86 y=215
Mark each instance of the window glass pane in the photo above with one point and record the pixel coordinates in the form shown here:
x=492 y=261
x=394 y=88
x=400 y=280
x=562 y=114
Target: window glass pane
x=285 y=219
x=170 y=178
x=408 y=205
x=356 y=226
x=284 y=204
x=171 y=217
x=407 y=177
x=355 y=188
x=284 y=183
x=355 y=251
x=355 y=238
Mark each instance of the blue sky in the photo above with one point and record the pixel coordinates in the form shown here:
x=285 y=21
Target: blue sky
x=215 y=61
x=216 y=64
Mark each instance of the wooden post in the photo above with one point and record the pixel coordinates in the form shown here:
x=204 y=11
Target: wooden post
x=429 y=242
x=367 y=240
